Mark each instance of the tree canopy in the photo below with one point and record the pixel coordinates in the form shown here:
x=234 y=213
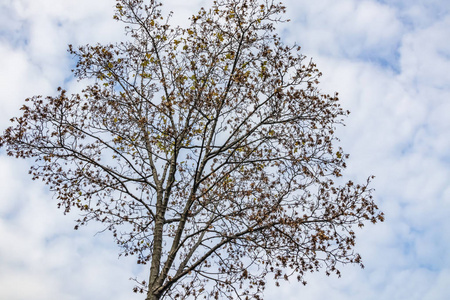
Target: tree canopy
x=209 y=152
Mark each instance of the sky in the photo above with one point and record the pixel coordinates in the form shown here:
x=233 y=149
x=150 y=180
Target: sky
x=390 y=62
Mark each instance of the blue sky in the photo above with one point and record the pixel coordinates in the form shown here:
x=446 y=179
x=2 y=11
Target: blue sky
x=389 y=61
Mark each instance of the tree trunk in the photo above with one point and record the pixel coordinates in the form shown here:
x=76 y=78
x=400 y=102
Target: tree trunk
x=152 y=287
x=157 y=250
x=150 y=296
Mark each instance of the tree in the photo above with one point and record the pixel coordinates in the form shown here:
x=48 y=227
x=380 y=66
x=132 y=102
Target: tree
x=208 y=152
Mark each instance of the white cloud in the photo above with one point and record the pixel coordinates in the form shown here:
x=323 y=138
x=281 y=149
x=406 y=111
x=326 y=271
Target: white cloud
x=388 y=59
x=419 y=13
x=348 y=28
x=42 y=257
x=398 y=131
x=425 y=55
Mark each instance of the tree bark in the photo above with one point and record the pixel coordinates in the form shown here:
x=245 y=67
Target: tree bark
x=157 y=250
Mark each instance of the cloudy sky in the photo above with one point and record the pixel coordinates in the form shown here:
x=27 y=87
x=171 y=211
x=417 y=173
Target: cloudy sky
x=388 y=59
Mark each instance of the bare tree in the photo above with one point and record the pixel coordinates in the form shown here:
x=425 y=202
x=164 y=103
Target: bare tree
x=209 y=152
